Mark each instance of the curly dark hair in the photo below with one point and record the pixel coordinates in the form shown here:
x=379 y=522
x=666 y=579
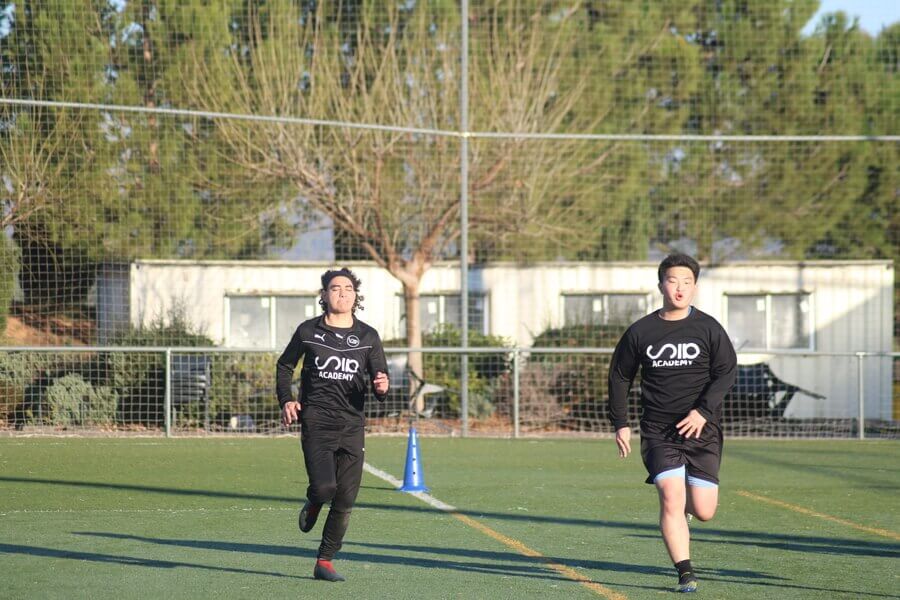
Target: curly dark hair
x=327 y=276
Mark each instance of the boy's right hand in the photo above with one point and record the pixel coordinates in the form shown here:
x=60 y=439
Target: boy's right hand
x=623 y=441
x=290 y=412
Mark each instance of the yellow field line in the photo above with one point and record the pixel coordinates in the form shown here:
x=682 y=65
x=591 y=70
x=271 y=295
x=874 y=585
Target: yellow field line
x=525 y=550
x=873 y=530
x=516 y=545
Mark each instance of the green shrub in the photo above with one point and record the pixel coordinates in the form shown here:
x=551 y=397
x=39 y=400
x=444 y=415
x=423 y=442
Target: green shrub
x=539 y=406
x=73 y=401
x=577 y=383
x=139 y=378
x=19 y=371
x=485 y=366
x=244 y=384
x=445 y=369
x=579 y=336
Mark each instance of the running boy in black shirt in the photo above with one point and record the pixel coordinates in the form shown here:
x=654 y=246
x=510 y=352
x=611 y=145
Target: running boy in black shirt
x=688 y=365
x=340 y=355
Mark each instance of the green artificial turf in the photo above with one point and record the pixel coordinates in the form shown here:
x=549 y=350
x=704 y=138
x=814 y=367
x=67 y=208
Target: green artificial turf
x=190 y=518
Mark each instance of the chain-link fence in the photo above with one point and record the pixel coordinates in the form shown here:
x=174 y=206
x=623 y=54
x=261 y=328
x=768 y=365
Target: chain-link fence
x=167 y=169
x=513 y=392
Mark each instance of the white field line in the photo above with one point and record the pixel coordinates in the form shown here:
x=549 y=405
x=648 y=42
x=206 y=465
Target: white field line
x=426 y=498
x=513 y=543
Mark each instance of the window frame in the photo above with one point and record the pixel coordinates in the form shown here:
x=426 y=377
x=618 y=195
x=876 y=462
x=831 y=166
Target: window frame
x=604 y=297
x=442 y=308
x=767 y=296
x=273 y=313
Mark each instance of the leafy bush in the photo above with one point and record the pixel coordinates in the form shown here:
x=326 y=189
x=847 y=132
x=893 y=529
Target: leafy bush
x=577 y=382
x=19 y=372
x=539 y=405
x=445 y=369
x=74 y=401
x=139 y=378
x=579 y=336
x=244 y=384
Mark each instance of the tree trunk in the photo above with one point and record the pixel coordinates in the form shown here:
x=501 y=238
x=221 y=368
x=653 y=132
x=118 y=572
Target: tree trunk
x=414 y=338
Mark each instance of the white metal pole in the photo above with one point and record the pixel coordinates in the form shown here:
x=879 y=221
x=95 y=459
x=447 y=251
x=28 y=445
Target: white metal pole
x=516 y=393
x=860 y=356
x=167 y=407
x=464 y=215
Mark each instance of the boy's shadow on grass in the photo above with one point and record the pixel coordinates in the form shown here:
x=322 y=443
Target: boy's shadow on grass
x=479 y=561
x=820 y=545
x=792 y=543
x=732 y=576
x=132 y=561
x=534 y=568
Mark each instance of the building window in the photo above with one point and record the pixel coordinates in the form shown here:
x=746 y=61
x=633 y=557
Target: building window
x=267 y=321
x=290 y=311
x=604 y=309
x=770 y=321
x=446 y=309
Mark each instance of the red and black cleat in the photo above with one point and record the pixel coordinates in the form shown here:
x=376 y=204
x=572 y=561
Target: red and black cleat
x=325 y=570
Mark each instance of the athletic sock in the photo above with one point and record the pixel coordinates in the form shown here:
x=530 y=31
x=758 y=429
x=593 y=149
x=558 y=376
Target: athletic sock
x=687 y=581
x=685 y=571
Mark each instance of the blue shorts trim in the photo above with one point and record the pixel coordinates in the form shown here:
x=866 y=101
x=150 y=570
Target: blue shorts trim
x=691 y=480
x=676 y=472
x=700 y=483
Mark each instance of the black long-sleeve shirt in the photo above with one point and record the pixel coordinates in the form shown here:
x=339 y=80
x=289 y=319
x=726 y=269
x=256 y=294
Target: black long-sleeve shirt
x=338 y=364
x=685 y=364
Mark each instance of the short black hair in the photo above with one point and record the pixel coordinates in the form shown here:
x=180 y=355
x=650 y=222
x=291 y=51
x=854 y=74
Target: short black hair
x=678 y=260
x=330 y=274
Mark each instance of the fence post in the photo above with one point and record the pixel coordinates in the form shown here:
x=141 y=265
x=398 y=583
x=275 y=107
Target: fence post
x=860 y=377
x=464 y=213
x=464 y=391
x=168 y=398
x=515 y=393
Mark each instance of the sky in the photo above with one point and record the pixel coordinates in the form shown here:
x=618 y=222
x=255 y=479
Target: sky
x=873 y=14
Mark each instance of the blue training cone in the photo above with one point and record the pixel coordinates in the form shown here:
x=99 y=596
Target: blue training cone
x=413 y=478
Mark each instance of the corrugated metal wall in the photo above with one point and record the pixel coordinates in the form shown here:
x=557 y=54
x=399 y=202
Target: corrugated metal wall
x=852 y=304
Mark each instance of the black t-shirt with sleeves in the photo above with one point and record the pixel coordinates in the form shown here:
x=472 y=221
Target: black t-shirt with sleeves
x=685 y=364
x=338 y=364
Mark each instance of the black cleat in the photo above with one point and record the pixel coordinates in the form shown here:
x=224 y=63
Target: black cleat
x=308 y=516
x=325 y=571
x=687 y=582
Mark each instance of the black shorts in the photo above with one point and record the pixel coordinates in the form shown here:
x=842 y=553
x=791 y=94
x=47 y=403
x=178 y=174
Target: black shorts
x=663 y=448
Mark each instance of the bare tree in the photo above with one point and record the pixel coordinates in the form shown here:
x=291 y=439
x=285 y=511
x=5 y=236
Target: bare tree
x=38 y=154
x=396 y=194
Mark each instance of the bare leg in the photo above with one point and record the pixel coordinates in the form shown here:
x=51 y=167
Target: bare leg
x=672 y=522
x=702 y=501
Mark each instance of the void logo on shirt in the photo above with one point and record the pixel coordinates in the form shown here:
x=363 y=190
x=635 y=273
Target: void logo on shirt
x=336 y=367
x=673 y=355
